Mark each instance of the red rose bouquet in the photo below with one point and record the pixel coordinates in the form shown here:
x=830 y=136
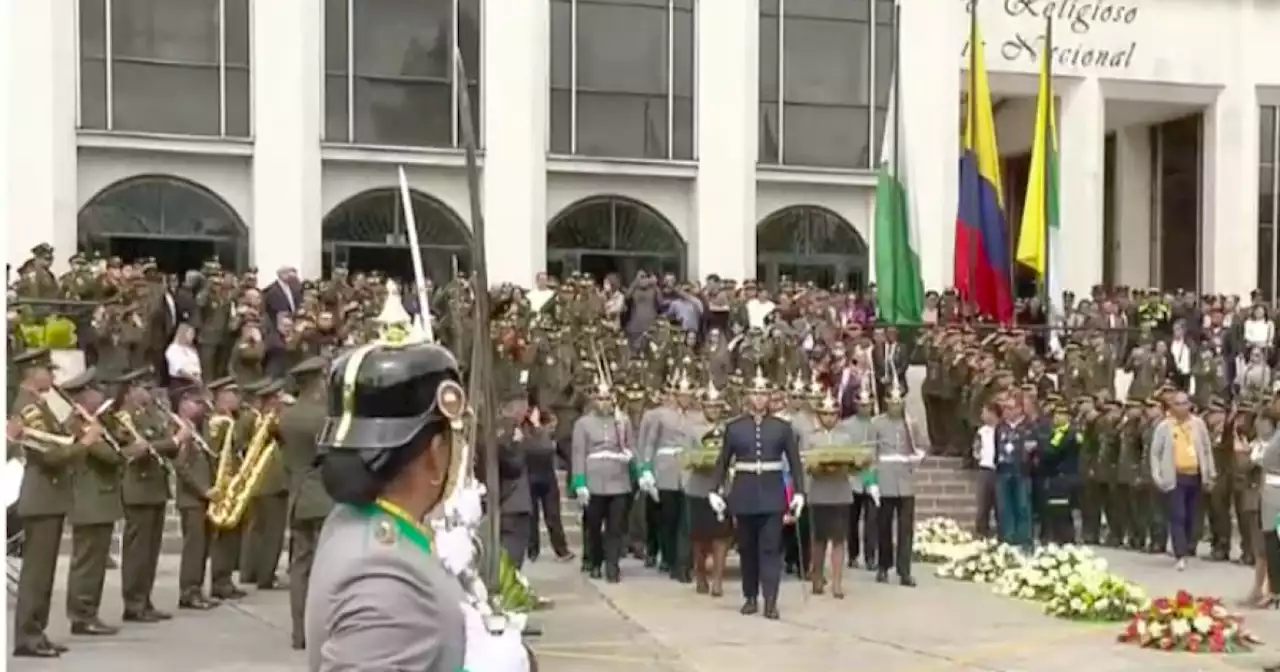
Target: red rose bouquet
x=1188 y=623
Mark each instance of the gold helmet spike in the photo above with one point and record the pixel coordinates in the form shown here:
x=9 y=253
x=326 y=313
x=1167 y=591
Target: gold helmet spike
x=864 y=391
x=760 y=384
x=895 y=393
x=712 y=395
x=828 y=404
x=797 y=385
x=683 y=385
x=816 y=388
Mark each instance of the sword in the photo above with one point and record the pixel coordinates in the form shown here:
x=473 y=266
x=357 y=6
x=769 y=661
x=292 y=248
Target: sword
x=415 y=253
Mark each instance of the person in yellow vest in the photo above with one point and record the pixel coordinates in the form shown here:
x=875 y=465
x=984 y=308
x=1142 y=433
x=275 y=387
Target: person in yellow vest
x=1182 y=467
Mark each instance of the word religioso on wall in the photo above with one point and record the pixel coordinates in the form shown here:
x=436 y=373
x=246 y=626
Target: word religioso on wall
x=1075 y=48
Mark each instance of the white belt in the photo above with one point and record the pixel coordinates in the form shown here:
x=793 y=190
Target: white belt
x=670 y=450
x=1272 y=480
x=621 y=456
x=894 y=457
x=757 y=467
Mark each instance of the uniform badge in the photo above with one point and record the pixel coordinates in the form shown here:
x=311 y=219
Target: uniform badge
x=384 y=533
x=551 y=360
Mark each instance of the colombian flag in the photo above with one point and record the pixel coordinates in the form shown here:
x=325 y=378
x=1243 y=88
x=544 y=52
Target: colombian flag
x=982 y=262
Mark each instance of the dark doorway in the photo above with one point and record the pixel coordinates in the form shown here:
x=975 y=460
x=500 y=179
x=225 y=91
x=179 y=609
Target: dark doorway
x=394 y=261
x=1178 y=182
x=611 y=234
x=807 y=243
x=172 y=256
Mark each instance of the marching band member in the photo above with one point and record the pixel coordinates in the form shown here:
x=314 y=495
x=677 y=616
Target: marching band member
x=755 y=445
x=193 y=471
x=228 y=440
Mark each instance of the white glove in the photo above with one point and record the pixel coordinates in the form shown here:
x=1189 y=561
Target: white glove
x=583 y=495
x=717 y=504
x=493 y=652
x=454 y=548
x=874 y=491
x=647 y=482
x=797 y=504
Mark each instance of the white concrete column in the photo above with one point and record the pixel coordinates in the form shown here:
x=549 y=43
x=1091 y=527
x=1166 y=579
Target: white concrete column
x=38 y=151
x=1229 y=195
x=724 y=231
x=1082 y=142
x=935 y=34
x=1133 y=206
x=515 y=101
x=287 y=108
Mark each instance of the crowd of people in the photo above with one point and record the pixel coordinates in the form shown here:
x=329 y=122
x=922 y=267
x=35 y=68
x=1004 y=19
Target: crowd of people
x=690 y=418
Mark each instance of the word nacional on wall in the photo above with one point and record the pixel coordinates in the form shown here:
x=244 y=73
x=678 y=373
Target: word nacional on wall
x=1087 y=36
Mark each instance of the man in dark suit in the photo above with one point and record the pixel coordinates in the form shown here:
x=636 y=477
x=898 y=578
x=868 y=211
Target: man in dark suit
x=513 y=483
x=285 y=294
x=544 y=490
x=164 y=317
x=890 y=361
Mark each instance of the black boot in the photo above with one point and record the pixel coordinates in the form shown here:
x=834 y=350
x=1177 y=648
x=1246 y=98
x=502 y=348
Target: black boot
x=749 y=607
x=771 y=612
x=882 y=576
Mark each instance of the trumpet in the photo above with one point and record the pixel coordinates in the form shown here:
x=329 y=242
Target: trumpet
x=40 y=440
x=90 y=418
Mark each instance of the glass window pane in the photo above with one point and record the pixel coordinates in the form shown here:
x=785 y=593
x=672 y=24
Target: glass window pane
x=640 y=230
x=165 y=30
x=561 y=44
x=335 y=36
x=683 y=148
x=403 y=38
x=828 y=136
x=1269 y=119
x=238 y=32
x=857 y=10
x=622 y=79
x=769 y=60
x=560 y=121
x=585 y=226
x=1267 y=196
x=335 y=109
x=397 y=112
x=825 y=62
x=93 y=29
x=238 y=102
x=683 y=41
x=622 y=125
x=93 y=93
x=768 y=133
x=1266 y=261
x=469 y=28
x=181 y=99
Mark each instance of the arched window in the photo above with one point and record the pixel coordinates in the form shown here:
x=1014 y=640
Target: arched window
x=810 y=244
x=611 y=234
x=165 y=66
x=178 y=222
x=389 y=72
x=622 y=78
x=369 y=232
x=823 y=71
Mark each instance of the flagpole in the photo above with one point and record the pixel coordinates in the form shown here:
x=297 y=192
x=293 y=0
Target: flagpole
x=971 y=134
x=896 y=91
x=1047 y=53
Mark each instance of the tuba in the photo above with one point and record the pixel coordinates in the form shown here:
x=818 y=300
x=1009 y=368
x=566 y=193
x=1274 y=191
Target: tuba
x=228 y=510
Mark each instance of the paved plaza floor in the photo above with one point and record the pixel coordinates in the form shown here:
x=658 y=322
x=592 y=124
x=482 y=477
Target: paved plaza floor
x=650 y=623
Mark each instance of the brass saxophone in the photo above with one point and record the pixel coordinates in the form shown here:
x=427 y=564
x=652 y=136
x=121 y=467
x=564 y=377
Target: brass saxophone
x=227 y=511
x=221 y=431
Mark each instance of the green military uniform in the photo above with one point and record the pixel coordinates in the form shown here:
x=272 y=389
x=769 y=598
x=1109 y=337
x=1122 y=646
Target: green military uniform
x=1158 y=531
x=1111 y=497
x=270 y=506
x=309 y=504
x=44 y=500
x=145 y=495
x=193 y=471
x=1132 y=473
x=245 y=423
x=1092 y=493
x=246 y=360
x=96 y=508
x=931 y=389
x=225 y=549
x=1218 y=499
x=1247 y=489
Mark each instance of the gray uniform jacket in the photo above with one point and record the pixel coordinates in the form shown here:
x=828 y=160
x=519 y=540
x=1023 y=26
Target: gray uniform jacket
x=698 y=483
x=895 y=447
x=662 y=442
x=601 y=458
x=827 y=489
x=859 y=430
x=1269 y=460
x=1163 y=472
x=379 y=601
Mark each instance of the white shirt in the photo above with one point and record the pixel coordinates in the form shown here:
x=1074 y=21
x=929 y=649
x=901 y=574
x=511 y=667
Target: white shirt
x=757 y=310
x=1181 y=356
x=1259 y=333
x=538 y=298
x=183 y=361
x=986 y=449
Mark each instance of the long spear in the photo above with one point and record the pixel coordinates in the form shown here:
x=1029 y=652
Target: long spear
x=481 y=348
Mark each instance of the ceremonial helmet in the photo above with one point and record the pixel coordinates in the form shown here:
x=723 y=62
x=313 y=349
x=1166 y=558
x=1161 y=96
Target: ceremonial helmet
x=865 y=393
x=387 y=400
x=711 y=396
x=816 y=388
x=828 y=405
x=759 y=384
x=798 y=386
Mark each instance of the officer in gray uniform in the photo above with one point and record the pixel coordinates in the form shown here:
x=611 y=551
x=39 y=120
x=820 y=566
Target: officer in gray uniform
x=830 y=497
x=378 y=599
x=863 y=511
x=755 y=445
x=670 y=428
x=897 y=457
x=600 y=476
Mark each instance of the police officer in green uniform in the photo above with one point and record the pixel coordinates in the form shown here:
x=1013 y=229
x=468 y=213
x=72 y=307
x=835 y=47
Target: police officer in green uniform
x=96 y=509
x=145 y=492
x=309 y=504
x=44 y=500
x=193 y=471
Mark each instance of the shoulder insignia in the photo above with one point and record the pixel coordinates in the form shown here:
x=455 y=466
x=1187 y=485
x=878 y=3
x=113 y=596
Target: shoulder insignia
x=384 y=532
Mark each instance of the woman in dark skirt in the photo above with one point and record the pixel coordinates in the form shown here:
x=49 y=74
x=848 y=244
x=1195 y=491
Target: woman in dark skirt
x=830 y=499
x=710 y=534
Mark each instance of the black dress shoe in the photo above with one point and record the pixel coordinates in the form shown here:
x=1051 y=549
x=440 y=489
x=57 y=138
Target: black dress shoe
x=595 y=572
x=196 y=602
x=613 y=575
x=60 y=648
x=229 y=594
x=882 y=576
x=533 y=557
x=566 y=556
x=771 y=612
x=93 y=628
x=140 y=617
x=749 y=607
x=37 y=650
x=159 y=615
x=907 y=581
x=298 y=645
